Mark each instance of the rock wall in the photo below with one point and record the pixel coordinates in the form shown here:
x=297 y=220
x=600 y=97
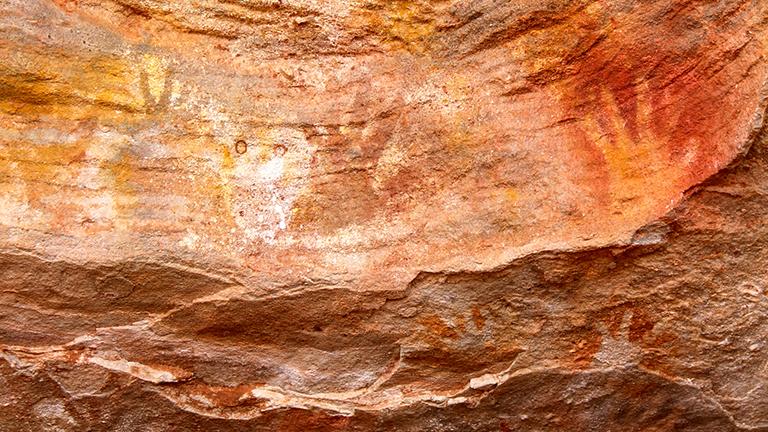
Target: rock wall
x=372 y=215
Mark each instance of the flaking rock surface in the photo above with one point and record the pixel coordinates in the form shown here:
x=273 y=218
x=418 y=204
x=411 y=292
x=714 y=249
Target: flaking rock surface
x=373 y=215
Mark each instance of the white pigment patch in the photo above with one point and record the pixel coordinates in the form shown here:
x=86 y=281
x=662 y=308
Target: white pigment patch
x=266 y=190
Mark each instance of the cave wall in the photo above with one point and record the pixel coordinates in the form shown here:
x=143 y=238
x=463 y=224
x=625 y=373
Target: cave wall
x=371 y=215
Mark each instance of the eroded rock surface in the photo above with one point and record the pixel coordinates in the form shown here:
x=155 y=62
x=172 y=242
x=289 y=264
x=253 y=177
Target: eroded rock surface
x=383 y=215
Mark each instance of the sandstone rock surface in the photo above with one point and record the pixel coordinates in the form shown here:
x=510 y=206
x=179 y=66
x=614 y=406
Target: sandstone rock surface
x=372 y=215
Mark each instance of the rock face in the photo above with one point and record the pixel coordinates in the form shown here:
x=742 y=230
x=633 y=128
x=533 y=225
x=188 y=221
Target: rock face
x=376 y=215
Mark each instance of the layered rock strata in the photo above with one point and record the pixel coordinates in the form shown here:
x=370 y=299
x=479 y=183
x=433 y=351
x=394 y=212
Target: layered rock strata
x=383 y=215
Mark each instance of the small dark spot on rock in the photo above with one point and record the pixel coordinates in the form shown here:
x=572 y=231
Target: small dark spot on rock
x=241 y=147
x=280 y=149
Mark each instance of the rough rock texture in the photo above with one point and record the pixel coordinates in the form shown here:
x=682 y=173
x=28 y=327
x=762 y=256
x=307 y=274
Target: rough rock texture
x=375 y=215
